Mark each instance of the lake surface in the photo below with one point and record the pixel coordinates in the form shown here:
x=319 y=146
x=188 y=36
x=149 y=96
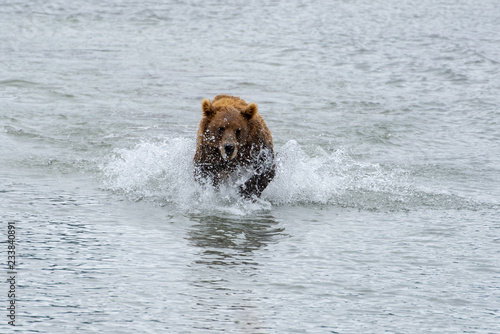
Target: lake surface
x=384 y=216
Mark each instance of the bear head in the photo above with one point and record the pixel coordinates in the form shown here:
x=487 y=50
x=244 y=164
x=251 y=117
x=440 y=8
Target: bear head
x=227 y=124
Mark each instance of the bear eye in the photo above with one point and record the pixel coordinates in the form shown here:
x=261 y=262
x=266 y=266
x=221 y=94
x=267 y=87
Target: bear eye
x=221 y=130
x=238 y=132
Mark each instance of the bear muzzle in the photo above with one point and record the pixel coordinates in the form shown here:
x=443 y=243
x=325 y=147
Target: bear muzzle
x=228 y=151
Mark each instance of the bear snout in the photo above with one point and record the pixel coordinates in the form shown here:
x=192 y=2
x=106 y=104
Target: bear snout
x=228 y=151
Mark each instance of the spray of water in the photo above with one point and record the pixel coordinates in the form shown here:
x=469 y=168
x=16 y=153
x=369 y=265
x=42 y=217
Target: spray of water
x=162 y=172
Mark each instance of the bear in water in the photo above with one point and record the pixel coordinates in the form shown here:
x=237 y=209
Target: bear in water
x=233 y=137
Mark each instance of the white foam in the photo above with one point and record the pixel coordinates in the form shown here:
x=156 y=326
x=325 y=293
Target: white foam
x=329 y=178
x=162 y=172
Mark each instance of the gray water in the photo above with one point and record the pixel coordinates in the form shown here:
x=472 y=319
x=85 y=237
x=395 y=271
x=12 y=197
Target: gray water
x=383 y=216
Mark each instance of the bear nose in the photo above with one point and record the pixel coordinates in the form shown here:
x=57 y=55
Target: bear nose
x=229 y=149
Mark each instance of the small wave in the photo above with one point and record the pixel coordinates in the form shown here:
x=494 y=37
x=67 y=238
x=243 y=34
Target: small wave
x=331 y=178
x=162 y=172
x=151 y=170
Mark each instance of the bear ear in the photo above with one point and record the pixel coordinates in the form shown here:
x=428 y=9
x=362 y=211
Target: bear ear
x=250 y=111
x=206 y=106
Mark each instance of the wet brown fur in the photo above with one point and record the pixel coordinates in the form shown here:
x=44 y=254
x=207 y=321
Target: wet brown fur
x=230 y=121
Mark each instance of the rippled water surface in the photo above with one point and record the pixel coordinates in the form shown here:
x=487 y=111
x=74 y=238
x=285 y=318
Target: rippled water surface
x=384 y=216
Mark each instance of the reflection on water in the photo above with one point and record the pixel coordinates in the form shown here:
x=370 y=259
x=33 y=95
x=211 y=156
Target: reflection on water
x=225 y=271
x=230 y=240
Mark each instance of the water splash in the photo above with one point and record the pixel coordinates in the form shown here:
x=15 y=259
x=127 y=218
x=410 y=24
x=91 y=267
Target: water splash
x=151 y=170
x=162 y=172
x=333 y=178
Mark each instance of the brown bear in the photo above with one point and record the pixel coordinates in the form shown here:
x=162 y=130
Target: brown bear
x=233 y=138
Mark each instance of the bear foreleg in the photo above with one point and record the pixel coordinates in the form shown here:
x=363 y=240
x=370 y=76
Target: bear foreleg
x=264 y=174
